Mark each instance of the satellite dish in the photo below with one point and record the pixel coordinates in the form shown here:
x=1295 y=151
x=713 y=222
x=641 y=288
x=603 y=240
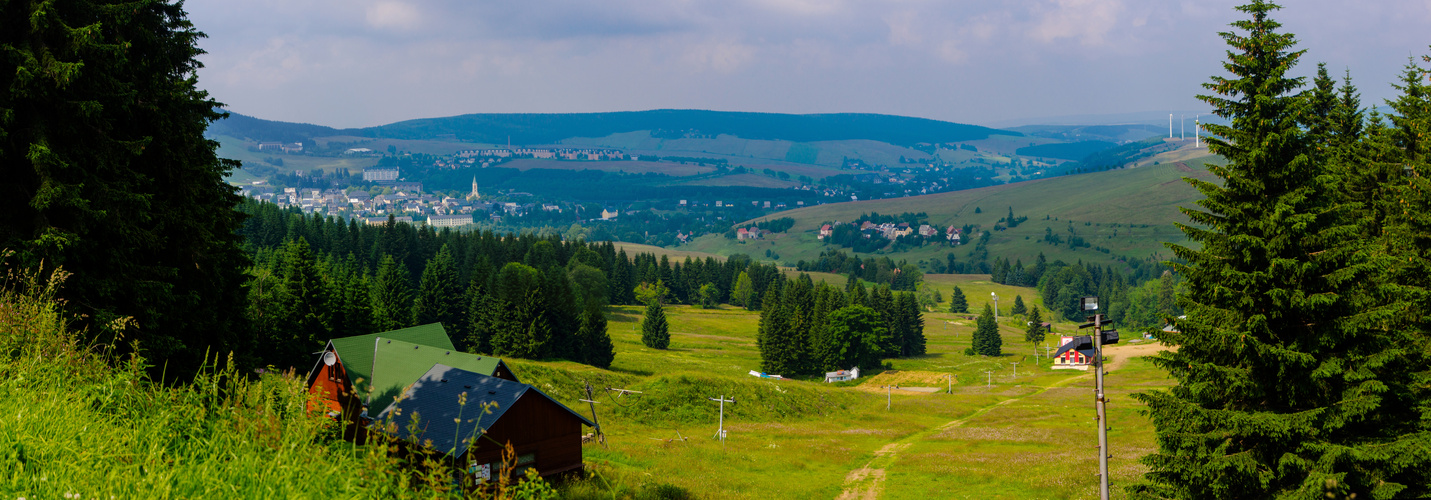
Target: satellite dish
x=329 y=359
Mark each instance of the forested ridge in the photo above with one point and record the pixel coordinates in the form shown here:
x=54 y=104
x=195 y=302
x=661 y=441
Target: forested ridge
x=315 y=278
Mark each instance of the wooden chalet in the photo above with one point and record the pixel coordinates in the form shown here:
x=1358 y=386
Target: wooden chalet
x=346 y=384
x=442 y=413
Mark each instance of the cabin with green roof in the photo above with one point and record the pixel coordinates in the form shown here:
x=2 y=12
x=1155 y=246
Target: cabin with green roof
x=345 y=382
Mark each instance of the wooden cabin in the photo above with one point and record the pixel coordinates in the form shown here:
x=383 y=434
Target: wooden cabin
x=442 y=412
x=343 y=379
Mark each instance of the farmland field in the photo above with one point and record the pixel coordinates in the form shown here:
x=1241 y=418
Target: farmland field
x=997 y=436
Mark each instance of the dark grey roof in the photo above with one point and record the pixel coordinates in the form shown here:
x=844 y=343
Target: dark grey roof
x=1083 y=344
x=435 y=399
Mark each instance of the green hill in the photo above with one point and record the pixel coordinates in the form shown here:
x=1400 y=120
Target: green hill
x=1118 y=213
x=549 y=128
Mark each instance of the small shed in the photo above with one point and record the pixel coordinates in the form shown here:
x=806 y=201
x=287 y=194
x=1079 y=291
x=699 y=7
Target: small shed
x=443 y=412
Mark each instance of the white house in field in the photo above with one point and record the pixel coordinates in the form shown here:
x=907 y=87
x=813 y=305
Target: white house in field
x=843 y=375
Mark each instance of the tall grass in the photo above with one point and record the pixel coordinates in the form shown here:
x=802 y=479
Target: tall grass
x=78 y=422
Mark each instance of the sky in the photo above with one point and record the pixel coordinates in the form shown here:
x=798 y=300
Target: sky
x=356 y=63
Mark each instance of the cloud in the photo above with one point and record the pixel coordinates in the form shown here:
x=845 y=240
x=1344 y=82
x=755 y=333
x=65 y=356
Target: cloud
x=365 y=62
x=393 y=16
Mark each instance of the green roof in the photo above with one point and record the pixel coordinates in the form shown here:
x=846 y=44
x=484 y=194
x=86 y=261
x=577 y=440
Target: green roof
x=398 y=364
x=356 y=352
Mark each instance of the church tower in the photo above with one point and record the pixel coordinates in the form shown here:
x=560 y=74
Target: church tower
x=474 y=195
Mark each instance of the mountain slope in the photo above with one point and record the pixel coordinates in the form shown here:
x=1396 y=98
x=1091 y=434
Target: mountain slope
x=1128 y=212
x=542 y=128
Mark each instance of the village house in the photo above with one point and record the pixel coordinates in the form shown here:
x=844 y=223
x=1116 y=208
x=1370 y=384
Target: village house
x=444 y=410
x=826 y=231
x=842 y=375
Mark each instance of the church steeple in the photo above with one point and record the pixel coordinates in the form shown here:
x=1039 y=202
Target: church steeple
x=474 y=195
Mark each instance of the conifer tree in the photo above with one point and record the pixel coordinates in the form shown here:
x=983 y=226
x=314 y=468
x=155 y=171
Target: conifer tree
x=911 y=318
x=1034 y=334
x=986 y=334
x=743 y=293
x=437 y=296
x=302 y=299
x=854 y=333
x=858 y=296
x=655 y=333
x=1018 y=306
x=596 y=347
x=1293 y=374
x=392 y=297
x=109 y=175
x=957 y=302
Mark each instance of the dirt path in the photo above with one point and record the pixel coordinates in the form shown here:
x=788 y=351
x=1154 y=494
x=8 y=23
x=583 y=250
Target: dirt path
x=866 y=483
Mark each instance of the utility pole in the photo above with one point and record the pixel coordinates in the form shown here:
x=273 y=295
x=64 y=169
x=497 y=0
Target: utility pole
x=950 y=376
x=996 y=305
x=988 y=379
x=591 y=401
x=889 y=395
x=1016 y=368
x=720 y=432
x=1100 y=399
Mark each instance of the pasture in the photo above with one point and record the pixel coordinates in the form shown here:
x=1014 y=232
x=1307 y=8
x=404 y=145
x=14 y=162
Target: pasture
x=1006 y=431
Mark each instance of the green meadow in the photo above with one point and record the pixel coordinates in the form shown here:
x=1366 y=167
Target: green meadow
x=1006 y=431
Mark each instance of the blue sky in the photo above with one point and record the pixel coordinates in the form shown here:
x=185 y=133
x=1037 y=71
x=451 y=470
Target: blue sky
x=351 y=63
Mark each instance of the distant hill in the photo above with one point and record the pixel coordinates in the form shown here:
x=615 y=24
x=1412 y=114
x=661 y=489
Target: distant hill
x=1125 y=212
x=538 y=128
x=1066 y=150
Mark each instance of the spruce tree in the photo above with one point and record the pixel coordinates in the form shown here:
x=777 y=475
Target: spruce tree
x=957 y=302
x=743 y=293
x=108 y=175
x=1018 y=306
x=655 y=333
x=1034 y=334
x=854 y=333
x=911 y=318
x=596 y=347
x=986 y=335
x=438 y=294
x=1293 y=374
x=392 y=297
x=302 y=325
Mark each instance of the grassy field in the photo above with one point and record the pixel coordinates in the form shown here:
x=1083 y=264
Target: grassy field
x=1128 y=212
x=1000 y=434
x=631 y=167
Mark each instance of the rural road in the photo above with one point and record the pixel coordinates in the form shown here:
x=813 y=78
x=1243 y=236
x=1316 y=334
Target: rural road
x=867 y=482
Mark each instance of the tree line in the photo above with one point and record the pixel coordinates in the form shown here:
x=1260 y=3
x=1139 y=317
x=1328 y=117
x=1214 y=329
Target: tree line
x=315 y=278
x=898 y=276
x=808 y=328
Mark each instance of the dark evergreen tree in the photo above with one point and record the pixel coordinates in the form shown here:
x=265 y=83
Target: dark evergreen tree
x=957 y=302
x=655 y=332
x=1295 y=372
x=302 y=325
x=108 y=175
x=437 y=293
x=392 y=297
x=1018 y=308
x=1035 y=333
x=986 y=334
x=911 y=325
x=596 y=347
x=854 y=333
